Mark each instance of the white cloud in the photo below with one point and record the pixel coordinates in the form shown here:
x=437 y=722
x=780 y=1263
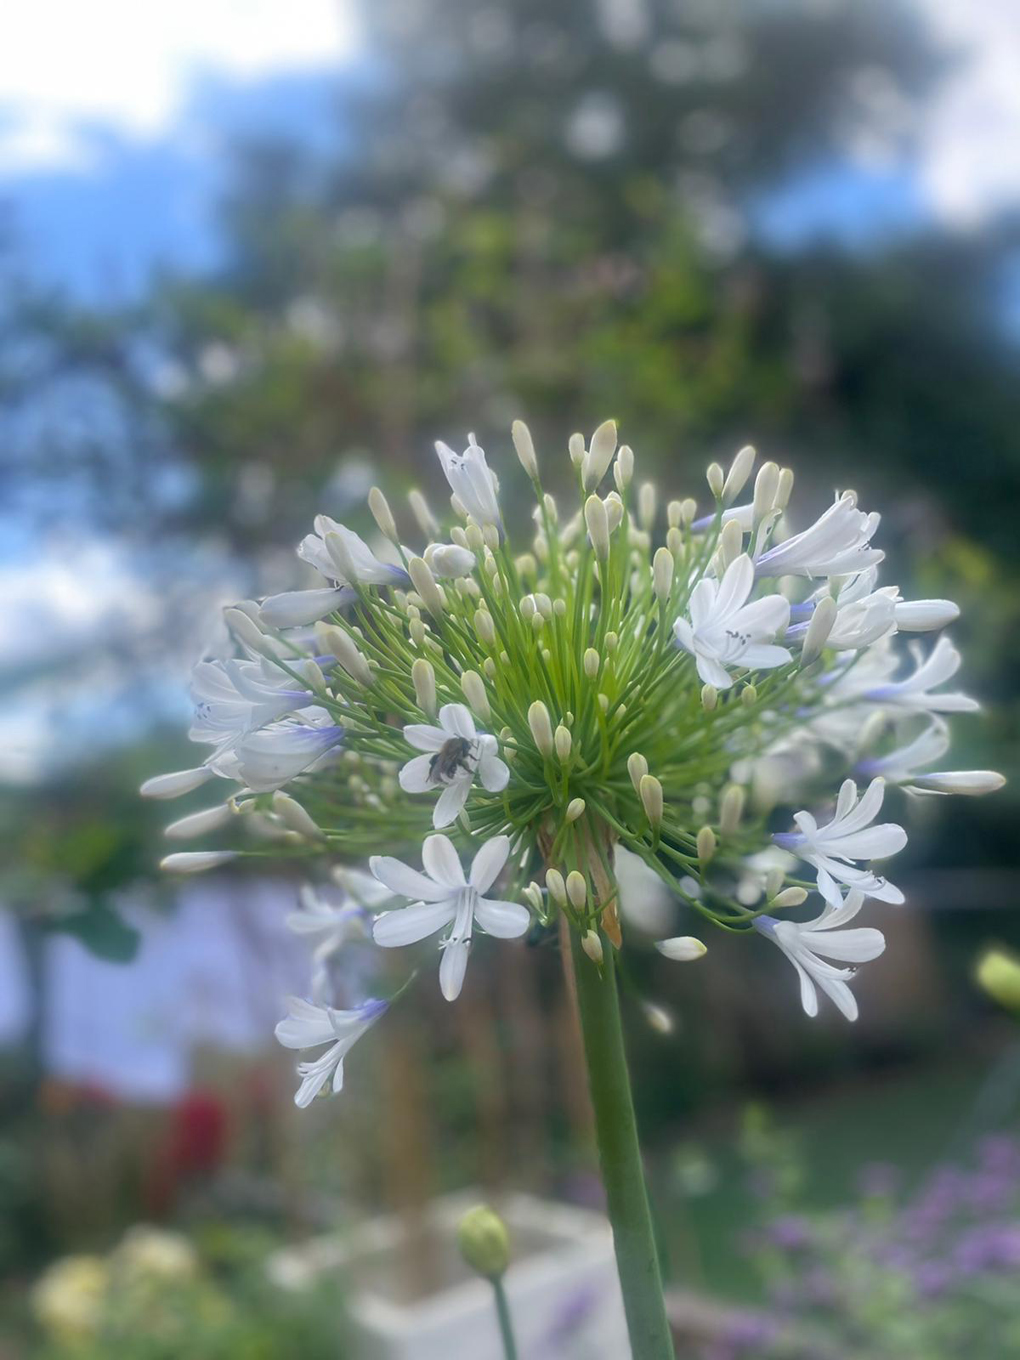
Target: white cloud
x=970 y=134
x=127 y=65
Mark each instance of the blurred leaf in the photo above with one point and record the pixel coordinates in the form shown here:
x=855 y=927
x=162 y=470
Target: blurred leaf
x=102 y=931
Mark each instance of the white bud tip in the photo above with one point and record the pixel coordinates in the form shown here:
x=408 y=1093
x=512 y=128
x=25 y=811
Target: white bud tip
x=682 y=948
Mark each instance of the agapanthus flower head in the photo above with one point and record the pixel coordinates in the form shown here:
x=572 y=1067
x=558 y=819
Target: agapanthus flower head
x=611 y=688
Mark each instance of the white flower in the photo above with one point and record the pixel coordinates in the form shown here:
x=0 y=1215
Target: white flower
x=341 y=556
x=309 y=1026
x=471 y=481
x=866 y=613
x=335 y=920
x=269 y=758
x=914 y=691
x=233 y=698
x=446 y=560
x=837 y=544
x=802 y=945
x=830 y=849
x=724 y=630
x=451 y=766
x=902 y=765
x=442 y=896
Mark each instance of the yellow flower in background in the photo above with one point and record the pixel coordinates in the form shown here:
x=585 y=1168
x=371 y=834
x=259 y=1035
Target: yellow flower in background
x=998 y=974
x=69 y=1298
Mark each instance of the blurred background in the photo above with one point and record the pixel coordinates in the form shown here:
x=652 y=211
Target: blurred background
x=254 y=258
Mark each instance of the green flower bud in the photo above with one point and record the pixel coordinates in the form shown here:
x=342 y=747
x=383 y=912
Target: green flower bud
x=998 y=974
x=484 y=1242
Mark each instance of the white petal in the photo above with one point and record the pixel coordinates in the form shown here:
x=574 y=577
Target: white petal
x=425 y=737
x=858 y=945
x=442 y=862
x=493 y=773
x=408 y=925
x=453 y=967
x=401 y=879
x=296 y=607
x=177 y=783
x=415 y=776
x=457 y=719
x=487 y=863
x=504 y=920
x=450 y=801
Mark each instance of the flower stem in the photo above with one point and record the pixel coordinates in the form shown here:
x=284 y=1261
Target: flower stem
x=620 y=1155
x=506 y=1329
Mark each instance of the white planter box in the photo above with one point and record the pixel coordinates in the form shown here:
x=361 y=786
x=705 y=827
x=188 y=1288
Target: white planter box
x=562 y=1285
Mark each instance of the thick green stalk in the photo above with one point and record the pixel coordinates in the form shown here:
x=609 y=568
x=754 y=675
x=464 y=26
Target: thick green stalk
x=506 y=1329
x=620 y=1155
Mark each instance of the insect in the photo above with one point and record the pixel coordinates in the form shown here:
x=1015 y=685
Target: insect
x=452 y=756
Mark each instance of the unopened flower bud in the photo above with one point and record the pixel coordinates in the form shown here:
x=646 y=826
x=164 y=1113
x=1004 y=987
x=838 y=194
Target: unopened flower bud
x=650 y=793
x=199 y=823
x=576 y=449
x=425 y=584
x=562 y=742
x=612 y=641
x=424 y=518
x=424 y=678
x=448 y=560
x=706 y=844
x=592 y=946
x=674 y=514
x=483 y=1242
x=541 y=727
x=521 y=436
x=196 y=861
x=177 y=783
x=383 y=516
x=485 y=627
x=490 y=536
x=341 y=645
x=736 y=478
x=662 y=574
x=675 y=541
x=416 y=632
x=526 y=565
x=603 y=702
x=532 y=894
x=623 y=468
x=783 y=488
x=557 y=888
x=560 y=608
x=544 y=605
x=648 y=499
x=537 y=623
x=731 y=542
x=247 y=631
x=600 y=454
x=682 y=948
x=614 y=511
x=590 y=663
x=489 y=667
x=597 y=521
x=577 y=890
x=575 y=809
x=637 y=768
x=789 y=897
x=818 y=630
x=715 y=477
x=731 y=809
x=709 y=697
x=295 y=817
x=473 y=538
x=474 y=692
x=765 y=486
